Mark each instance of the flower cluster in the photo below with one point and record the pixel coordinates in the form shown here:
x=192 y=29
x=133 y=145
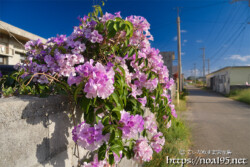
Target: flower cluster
x=100 y=79
x=89 y=137
x=95 y=163
x=131 y=125
x=142 y=150
x=109 y=68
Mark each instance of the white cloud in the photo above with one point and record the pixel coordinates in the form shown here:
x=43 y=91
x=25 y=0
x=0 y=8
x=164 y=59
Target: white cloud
x=175 y=38
x=199 y=41
x=183 y=53
x=183 y=31
x=239 y=57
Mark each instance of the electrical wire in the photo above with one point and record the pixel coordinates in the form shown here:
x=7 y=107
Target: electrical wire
x=11 y=35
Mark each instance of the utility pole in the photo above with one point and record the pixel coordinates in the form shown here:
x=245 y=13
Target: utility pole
x=203 y=61
x=208 y=66
x=179 y=51
x=194 y=72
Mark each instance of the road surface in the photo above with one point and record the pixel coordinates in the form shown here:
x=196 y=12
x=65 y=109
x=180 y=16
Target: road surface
x=218 y=123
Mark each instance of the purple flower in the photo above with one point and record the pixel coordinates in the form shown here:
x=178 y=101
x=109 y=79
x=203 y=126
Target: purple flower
x=143 y=101
x=74 y=80
x=131 y=125
x=173 y=112
x=157 y=142
x=60 y=39
x=168 y=124
x=95 y=163
x=89 y=137
x=101 y=80
x=142 y=150
x=150 y=124
x=96 y=37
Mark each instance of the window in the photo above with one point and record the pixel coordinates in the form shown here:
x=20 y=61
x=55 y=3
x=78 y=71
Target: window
x=3 y=48
x=3 y=60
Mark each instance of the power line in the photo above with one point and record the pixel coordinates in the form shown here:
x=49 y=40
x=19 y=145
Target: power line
x=233 y=41
x=11 y=35
x=222 y=36
x=216 y=53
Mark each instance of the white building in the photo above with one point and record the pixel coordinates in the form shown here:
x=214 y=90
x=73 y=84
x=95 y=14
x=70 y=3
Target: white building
x=228 y=78
x=11 y=51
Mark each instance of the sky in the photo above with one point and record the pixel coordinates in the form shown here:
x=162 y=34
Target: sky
x=220 y=26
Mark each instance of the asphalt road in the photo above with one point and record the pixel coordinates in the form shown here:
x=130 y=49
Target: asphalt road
x=218 y=123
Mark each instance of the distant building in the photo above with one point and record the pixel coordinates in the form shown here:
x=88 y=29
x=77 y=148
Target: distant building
x=228 y=78
x=168 y=58
x=11 y=51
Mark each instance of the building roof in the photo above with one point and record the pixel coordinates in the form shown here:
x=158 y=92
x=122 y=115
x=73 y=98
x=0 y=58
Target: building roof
x=229 y=67
x=19 y=33
x=169 y=54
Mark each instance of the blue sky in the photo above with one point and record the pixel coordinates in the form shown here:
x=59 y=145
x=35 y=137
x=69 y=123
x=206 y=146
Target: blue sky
x=218 y=25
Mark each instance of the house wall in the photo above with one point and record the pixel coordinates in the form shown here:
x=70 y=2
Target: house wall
x=221 y=81
x=239 y=76
x=12 y=48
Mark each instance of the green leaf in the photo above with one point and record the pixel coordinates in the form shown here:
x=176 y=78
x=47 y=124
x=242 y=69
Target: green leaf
x=122 y=26
x=85 y=103
x=146 y=62
x=105 y=120
x=111 y=30
x=149 y=75
x=115 y=97
x=78 y=89
x=111 y=159
x=116 y=114
x=89 y=116
x=116 y=26
x=144 y=133
x=117 y=147
x=123 y=71
x=131 y=28
x=118 y=133
x=131 y=52
x=106 y=129
x=112 y=136
x=108 y=106
x=140 y=61
x=118 y=108
x=102 y=152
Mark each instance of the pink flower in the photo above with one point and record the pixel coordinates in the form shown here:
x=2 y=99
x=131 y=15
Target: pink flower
x=142 y=150
x=173 y=112
x=89 y=137
x=157 y=142
x=95 y=163
x=169 y=124
x=143 y=101
x=150 y=124
x=131 y=125
x=101 y=79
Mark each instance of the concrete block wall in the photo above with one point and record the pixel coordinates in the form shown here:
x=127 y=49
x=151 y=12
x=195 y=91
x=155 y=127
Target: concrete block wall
x=36 y=132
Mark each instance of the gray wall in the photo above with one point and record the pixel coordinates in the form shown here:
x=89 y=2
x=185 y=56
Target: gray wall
x=37 y=132
x=168 y=58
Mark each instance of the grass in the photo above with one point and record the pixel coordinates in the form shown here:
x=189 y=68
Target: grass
x=177 y=139
x=242 y=95
x=182 y=105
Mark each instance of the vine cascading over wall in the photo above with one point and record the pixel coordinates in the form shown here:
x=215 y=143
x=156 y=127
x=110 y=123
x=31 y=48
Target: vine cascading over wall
x=110 y=70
